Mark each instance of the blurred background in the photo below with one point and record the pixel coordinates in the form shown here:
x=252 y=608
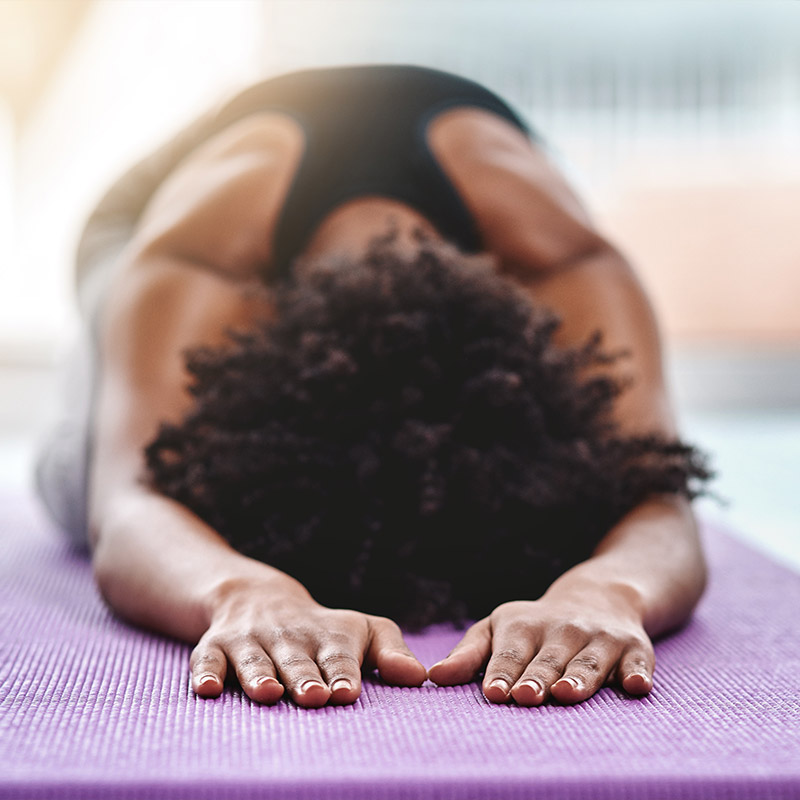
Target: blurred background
x=677 y=120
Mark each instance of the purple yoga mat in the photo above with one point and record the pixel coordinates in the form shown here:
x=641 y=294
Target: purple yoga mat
x=90 y=707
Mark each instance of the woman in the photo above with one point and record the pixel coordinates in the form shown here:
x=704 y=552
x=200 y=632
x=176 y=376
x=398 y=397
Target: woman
x=371 y=416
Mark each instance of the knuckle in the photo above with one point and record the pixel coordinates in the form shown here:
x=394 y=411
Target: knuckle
x=510 y=654
x=570 y=631
x=204 y=658
x=629 y=639
x=588 y=662
x=228 y=639
x=338 y=640
x=638 y=661
x=605 y=638
x=637 y=647
x=519 y=628
x=294 y=660
x=338 y=659
x=549 y=661
x=241 y=640
x=618 y=638
x=287 y=635
x=282 y=633
x=252 y=659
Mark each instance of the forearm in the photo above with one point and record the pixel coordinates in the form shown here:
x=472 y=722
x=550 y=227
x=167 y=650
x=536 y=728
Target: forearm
x=594 y=624
x=158 y=565
x=653 y=555
x=651 y=561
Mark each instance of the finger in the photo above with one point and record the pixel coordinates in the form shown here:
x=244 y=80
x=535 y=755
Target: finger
x=255 y=671
x=339 y=662
x=299 y=673
x=586 y=672
x=635 y=671
x=208 y=665
x=547 y=666
x=513 y=646
x=466 y=659
x=388 y=652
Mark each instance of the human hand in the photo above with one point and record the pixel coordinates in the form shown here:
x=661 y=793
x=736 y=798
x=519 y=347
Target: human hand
x=285 y=641
x=566 y=645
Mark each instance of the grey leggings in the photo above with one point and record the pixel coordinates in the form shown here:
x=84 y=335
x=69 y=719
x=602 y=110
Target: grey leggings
x=62 y=466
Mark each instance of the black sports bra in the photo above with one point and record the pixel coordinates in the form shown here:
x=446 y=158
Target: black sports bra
x=365 y=135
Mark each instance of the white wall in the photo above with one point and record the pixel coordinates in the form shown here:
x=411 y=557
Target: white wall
x=134 y=73
x=644 y=100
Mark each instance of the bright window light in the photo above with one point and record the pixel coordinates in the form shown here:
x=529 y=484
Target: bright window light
x=8 y=283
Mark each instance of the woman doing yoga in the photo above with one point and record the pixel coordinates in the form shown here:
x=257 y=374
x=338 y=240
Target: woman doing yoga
x=357 y=357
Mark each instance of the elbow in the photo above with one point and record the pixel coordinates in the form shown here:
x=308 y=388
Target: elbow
x=111 y=562
x=103 y=571
x=701 y=577
x=698 y=574
x=694 y=581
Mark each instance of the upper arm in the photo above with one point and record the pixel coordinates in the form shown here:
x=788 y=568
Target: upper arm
x=531 y=219
x=220 y=204
x=157 y=309
x=527 y=214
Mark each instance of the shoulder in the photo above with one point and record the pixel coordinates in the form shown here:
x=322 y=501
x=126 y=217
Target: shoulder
x=219 y=206
x=526 y=212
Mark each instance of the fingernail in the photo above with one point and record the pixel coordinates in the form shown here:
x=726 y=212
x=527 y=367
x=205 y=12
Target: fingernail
x=500 y=684
x=534 y=686
x=342 y=684
x=437 y=664
x=309 y=685
x=266 y=679
x=573 y=683
x=205 y=680
x=644 y=679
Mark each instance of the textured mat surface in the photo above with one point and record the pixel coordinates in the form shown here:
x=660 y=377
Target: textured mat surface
x=91 y=708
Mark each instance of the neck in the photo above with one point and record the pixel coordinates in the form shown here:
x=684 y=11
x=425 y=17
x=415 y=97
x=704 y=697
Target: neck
x=349 y=229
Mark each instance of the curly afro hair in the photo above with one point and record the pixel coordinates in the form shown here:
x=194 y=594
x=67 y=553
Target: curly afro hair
x=405 y=438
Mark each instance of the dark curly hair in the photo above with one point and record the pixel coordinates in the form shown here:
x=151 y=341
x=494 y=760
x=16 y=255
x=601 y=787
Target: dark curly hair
x=405 y=438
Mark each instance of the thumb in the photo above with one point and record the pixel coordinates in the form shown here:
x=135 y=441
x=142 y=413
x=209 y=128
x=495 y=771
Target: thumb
x=388 y=652
x=466 y=658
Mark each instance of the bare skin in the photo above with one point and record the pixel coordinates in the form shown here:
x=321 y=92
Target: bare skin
x=204 y=239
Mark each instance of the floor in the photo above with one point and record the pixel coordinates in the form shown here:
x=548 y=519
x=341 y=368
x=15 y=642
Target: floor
x=756 y=454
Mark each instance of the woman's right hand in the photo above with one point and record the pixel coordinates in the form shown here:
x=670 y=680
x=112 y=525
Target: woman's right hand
x=277 y=638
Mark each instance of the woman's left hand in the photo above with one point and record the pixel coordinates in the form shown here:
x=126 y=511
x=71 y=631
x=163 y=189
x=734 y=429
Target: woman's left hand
x=566 y=645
